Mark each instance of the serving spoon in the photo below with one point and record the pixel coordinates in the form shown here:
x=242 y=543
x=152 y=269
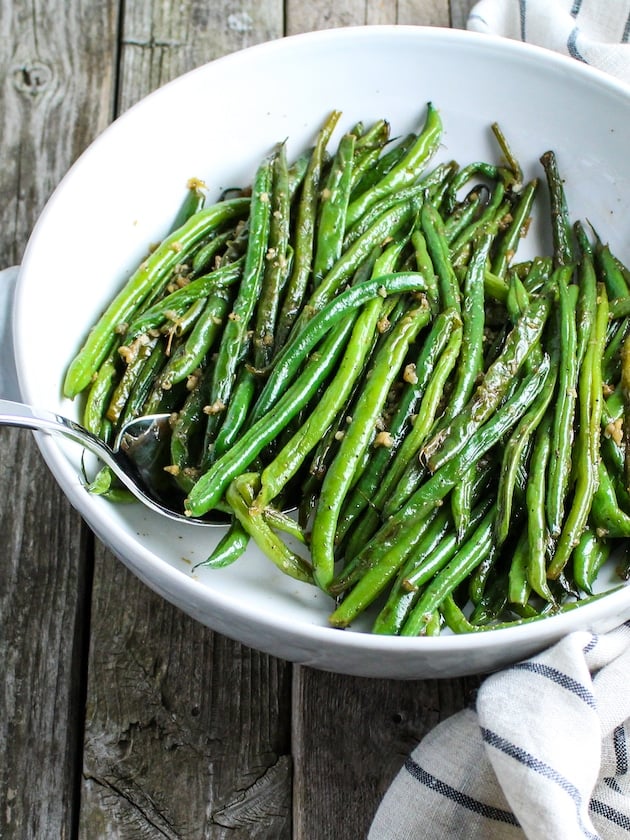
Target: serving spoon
x=135 y=456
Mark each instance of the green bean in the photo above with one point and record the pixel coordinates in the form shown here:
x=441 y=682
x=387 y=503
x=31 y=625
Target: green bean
x=151 y=273
x=423 y=566
x=294 y=352
x=136 y=359
x=191 y=353
x=338 y=477
x=489 y=219
x=364 y=161
x=561 y=228
x=387 y=161
x=457 y=478
x=589 y=555
x=415 y=194
x=462 y=215
x=586 y=304
x=192 y=203
x=538 y=537
x=372 y=139
x=519 y=588
x=587 y=440
x=277 y=263
x=425 y=267
x=305 y=232
x=434 y=490
x=496 y=381
x=611 y=363
x=374 y=484
x=562 y=430
x=178 y=301
x=482 y=168
x=389 y=224
x=606 y=512
x=437 y=246
x=240 y=495
x=373 y=580
x=180 y=325
x=514 y=167
x=405 y=466
x=237 y=411
x=508 y=242
x=334 y=204
x=470 y=364
x=100 y=393
x=401 y=596
x=406 y=170
x=297 y=172
x=516 y=449
x=495 y=287
x=229 y=549
x=458 y=622
x=207 y=254
x=235 y=338
x=448 y=579
x=610 y=272
x=493 y=602
x=187 y=432
x=140 y=395
x=211 y=486
x=537 y=275
x=288 y=460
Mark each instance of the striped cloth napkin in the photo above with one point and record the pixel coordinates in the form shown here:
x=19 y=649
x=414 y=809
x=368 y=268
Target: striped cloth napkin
x=544 y=752
x=542 y=755
x=594 y=31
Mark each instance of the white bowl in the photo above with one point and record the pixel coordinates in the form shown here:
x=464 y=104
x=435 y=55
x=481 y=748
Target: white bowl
x=216 y=123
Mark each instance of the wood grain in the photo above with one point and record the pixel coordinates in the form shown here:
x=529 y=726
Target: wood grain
x=351 y=737
x=182 y=740
x=325 y=14
x=43 y=609
x=162 y=40
x=57 y=63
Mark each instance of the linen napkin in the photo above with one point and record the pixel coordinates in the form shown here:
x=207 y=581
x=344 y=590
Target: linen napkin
x=544 y=752
x=593 y=31
x=542 y=755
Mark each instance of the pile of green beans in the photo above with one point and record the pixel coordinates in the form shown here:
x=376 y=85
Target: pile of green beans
x=368 y=381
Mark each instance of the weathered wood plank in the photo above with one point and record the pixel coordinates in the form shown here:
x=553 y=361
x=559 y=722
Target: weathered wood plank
x=160 y=41
x=325 y=14
x=43 y=618
x=187 y=733
x=351 y=737
x=56 y=64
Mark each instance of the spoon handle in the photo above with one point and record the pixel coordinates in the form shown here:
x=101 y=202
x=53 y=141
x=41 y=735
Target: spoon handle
x=21 y=415
x=24 y=416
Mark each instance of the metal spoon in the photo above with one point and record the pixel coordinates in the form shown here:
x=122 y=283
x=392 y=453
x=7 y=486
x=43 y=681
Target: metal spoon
x=136 y=456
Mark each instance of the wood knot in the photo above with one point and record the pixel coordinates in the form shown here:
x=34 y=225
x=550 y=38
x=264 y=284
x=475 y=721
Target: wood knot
x=33 y=78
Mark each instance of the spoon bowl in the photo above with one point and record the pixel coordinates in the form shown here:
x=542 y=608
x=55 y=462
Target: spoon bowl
x=136 y=457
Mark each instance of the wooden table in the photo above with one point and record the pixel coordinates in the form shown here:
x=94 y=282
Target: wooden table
x=120 y=716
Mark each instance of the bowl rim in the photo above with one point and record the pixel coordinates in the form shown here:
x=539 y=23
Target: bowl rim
x=171 y=580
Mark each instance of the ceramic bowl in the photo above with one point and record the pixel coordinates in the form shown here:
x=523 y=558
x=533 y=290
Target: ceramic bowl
x=216 y=123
